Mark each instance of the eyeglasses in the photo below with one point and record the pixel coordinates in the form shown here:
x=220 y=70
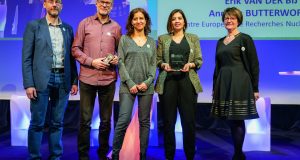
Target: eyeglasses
x=53 y=1
x=229 y=18
x=104 y=3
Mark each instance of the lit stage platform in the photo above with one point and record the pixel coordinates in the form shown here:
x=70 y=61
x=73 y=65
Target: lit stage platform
x=257 y=136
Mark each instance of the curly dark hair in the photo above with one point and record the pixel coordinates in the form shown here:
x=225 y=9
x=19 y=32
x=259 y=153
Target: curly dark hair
x=129 y=26
x=169 y=24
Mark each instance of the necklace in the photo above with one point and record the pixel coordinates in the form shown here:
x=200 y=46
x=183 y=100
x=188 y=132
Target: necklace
x=140 y=41
x=230 y=38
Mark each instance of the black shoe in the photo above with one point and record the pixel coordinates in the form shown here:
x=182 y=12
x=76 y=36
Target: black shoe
x=83 y=157
x=239 y=156
x=114 y=157
x=142 y=156
x=102 y=157
x=102 y=154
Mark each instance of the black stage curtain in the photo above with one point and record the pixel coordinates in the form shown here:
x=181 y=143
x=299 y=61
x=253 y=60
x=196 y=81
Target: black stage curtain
x=283 y=117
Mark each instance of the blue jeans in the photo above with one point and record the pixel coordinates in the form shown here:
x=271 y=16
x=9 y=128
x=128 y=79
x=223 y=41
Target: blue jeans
x=58 y=95
x=144 y=108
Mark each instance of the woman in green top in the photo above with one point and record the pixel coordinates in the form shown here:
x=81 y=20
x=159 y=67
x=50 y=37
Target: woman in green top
x=178 y=59
x=137 y=67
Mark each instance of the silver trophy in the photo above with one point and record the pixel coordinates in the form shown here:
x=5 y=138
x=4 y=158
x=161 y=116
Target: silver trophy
x=108 y=58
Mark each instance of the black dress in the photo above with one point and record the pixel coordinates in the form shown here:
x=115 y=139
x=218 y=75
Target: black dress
x=235 y=80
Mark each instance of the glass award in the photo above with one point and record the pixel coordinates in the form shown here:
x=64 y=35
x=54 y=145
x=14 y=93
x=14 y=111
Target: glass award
x=177 y=62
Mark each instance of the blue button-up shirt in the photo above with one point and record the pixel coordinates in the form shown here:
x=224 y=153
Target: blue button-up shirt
x=57 y=41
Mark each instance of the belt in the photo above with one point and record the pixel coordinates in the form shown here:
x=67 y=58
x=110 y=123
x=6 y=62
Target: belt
x=57 y=70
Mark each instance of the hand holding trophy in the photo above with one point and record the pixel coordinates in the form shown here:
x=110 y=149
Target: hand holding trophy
x=108 y=58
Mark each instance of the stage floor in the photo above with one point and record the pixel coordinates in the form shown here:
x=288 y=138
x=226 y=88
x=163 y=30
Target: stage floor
x=211 y=145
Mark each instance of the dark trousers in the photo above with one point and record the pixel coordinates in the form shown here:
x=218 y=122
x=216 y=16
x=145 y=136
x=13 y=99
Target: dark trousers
x=126 y=106
x=179 y=92
x=87 y=102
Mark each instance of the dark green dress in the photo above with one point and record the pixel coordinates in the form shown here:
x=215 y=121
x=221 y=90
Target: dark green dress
x=234 y=83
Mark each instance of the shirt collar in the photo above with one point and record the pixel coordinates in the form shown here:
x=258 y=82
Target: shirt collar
x=49 y=23
x=96 y=18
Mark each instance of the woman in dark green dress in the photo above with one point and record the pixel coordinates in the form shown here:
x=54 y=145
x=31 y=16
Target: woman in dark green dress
x=235 y=81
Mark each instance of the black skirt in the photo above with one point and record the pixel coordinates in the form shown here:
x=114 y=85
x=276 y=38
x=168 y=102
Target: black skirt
x=233 y=96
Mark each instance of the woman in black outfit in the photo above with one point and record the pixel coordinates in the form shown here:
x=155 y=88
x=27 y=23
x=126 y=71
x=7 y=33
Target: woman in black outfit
x=235 y=81
x=178 y=59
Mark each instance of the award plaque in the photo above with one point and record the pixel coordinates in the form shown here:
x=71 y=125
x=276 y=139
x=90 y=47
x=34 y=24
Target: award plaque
x=108 y=58
x=177 y=62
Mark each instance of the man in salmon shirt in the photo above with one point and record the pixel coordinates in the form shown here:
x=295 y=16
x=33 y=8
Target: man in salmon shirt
x=97 y=37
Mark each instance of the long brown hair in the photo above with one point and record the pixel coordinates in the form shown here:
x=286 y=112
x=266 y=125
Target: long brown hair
x=129 y=26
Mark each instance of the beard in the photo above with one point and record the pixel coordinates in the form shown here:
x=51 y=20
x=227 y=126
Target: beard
x=53 y=13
